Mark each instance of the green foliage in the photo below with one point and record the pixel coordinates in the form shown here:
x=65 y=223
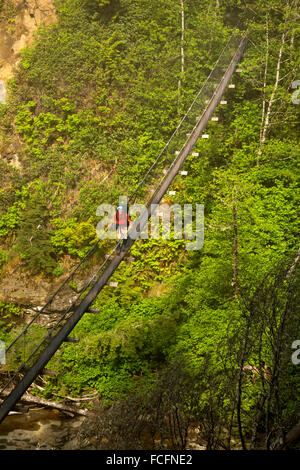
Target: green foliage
x=22 y=349
x=58 y=271
x=73 y=237
x=12 y=218
x=115 y=345
x=101 y=6
x=8 y=11
x=92 y=103
x=33 y=242
x=10 y=315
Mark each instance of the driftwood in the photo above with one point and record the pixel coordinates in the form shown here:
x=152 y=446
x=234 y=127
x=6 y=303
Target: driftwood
x=34 y=400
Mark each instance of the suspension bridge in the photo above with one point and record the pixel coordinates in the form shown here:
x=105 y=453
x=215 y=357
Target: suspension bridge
x=168 y=164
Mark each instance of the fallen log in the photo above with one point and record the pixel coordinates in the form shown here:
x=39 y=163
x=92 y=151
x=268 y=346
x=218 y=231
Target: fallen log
x=77 y=400
x=34 y=400
x=20 y=409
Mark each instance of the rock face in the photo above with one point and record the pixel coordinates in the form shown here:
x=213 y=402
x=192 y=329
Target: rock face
x=17 y=26
x=19 y=19
x=16 y=33
x=31 y=293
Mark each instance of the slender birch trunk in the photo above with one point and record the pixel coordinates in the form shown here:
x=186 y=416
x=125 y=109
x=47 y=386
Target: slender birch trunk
x=268 y=108
x=235 y=246
x=264 y=91
x=182 y=57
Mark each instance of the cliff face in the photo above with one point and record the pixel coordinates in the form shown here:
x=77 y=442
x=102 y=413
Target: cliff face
x=19 y=20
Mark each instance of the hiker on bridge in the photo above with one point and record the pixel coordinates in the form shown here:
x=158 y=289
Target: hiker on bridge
x=122 y=221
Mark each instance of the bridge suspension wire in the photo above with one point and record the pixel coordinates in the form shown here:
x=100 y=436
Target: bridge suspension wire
x=154 y=164
x=212 y=90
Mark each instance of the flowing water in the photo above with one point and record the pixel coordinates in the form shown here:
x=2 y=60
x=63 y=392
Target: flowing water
x=45 y=429
x=39 y=429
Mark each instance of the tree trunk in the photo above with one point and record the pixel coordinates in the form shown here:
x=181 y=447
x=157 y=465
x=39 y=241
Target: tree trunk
x=267 y=115
x=294 y=264
x=235 y=252
x=264 y=93
x=182 y=58
x=240 y=388
x=235 y=244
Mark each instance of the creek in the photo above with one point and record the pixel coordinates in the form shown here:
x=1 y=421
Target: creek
x=40 y=428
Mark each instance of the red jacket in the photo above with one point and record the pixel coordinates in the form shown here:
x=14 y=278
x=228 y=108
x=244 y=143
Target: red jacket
x=121 y=220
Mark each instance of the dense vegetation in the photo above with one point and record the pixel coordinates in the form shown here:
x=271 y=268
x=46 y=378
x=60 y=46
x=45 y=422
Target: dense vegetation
x=92 y=103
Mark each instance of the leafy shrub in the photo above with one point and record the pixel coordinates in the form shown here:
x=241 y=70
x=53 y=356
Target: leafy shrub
x=73 y=237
